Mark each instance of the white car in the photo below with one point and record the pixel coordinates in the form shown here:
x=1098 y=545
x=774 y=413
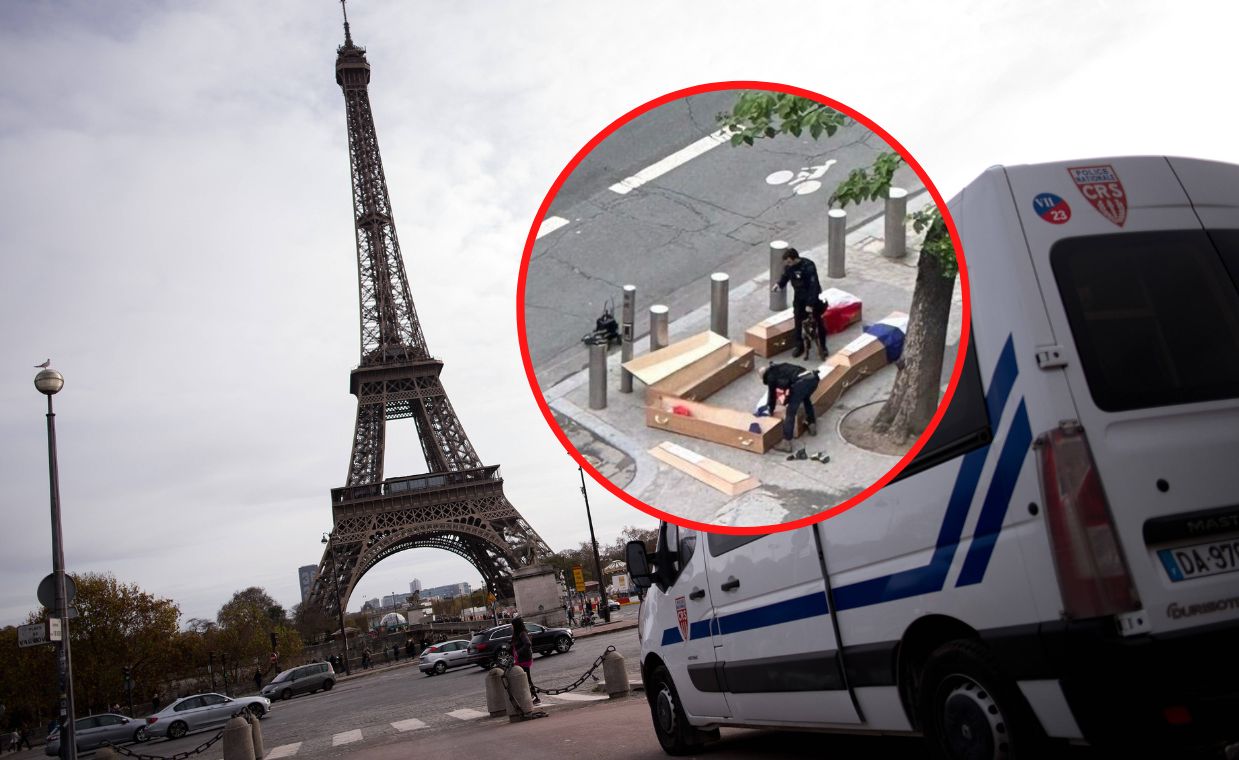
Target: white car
x=437 y=658
x=202 y=711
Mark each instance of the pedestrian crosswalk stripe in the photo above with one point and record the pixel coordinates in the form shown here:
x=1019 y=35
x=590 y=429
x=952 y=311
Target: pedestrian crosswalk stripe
x=284 y=750
x=467 y=714
x=346 y=737
x=412 y=724
x=577 y=697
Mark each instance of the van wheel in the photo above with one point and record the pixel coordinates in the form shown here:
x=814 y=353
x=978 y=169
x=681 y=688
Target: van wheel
x=286 y=695
x=969 y=710
x=671 y=726
x=328 y=684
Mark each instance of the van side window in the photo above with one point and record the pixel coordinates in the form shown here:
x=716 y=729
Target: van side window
x=721 y=543
x=671 y=552
x=965 y=424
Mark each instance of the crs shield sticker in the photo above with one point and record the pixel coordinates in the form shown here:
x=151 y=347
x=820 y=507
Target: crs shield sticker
x=1052 y=208
x=1101 y=187
x=681 y=616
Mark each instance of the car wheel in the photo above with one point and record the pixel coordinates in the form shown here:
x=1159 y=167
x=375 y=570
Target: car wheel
x=504 y=660
x=440 y=667
x=563 y=644
x=141 y=735
x=256 y=710
x=177 y=730
x=968 y=710
x=287 y=694
x=671 y=726
x=328 y=684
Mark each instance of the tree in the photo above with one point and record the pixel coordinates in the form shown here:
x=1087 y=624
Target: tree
x=914 y=396
x=246 y=623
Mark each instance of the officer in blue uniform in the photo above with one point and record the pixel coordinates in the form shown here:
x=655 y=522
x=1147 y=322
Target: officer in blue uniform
x=807 y=291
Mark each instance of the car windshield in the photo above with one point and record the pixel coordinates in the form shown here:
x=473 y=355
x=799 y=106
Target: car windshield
x=478 y=638
x=282 y=677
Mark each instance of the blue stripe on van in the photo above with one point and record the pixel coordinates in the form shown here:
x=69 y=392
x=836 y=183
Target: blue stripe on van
x=997 y=499
x=931 y=577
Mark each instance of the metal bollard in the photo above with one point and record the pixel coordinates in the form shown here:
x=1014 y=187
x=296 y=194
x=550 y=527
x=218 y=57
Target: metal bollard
x=836 y=243
x=896 y=226
x=719 y=286
x=615 y=675
x=256 y=734
x=598 y=376
x=518 y=700
x=238 y=740
x=659 y=336
x=628 y=315
x=496 y=700
x=778 y=298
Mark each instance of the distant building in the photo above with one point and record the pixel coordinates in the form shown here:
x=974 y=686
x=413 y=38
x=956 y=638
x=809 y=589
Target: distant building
x=395 y=600
x=415 y=587
x=374 y=603
x=449 y=591
x=306 y=574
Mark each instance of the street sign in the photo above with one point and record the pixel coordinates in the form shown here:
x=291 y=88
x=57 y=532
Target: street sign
x=579 y=578
x=37 y=633
x=54 y=629
x=47 y=591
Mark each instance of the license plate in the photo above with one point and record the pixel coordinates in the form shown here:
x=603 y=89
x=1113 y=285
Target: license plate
x=1200 y=560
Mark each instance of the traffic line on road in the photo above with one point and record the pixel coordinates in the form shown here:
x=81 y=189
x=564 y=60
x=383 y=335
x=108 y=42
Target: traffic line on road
x=412 y=724
x=679 y=158
x=550 y=224
x=467 y=714
x=284 y=750
x=346 y=737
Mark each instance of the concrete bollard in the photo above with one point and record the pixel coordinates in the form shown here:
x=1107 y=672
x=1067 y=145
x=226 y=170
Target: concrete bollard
x=836 y=243
x=598 y=376
x=615 y=674
x=659 y=327
x=719 y=286
x=256 y=734
x=778 y=298
x=896 y=226
x=103 y=753
x=238 y=740
x=496 y=699
x=518 y=700
x=628 y=315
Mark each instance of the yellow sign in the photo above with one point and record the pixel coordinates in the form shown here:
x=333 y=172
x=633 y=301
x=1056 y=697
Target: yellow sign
x=579 y=578
x=490 y=598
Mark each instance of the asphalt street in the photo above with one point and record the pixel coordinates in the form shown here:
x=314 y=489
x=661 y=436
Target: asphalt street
x=716 y=210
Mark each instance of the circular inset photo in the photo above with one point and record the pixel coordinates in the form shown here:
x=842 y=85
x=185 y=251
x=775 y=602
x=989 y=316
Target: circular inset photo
x=743 y=307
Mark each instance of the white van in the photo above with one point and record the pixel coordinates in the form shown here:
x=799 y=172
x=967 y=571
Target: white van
x=1061 y=561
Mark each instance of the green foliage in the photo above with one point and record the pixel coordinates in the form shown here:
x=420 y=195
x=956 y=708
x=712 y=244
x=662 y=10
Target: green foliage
x=868 y=183
x=937 y=239
x=760 y=114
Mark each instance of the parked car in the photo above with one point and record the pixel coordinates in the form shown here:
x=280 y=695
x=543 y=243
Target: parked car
x=201 y=711
x=306 y=679
x=490 y=647
x=436 y=659
x=92 y=732
x=613 y=605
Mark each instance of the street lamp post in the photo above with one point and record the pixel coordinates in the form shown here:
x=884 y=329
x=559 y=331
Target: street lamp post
x=49 y=382
x=602 y=586
x=335 y=581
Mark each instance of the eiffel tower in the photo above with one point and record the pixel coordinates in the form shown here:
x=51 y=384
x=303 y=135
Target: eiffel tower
x=459 y=505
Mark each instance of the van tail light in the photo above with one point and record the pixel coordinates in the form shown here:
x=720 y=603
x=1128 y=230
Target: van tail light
x=1092 y=573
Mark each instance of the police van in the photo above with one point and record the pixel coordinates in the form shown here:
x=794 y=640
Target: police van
x=1061 y=561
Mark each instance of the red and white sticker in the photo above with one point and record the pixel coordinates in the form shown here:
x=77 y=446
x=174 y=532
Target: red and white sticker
x=681 y=615
x=1101 y=187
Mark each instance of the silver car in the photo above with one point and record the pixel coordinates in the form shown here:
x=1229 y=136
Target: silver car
x=201 y=711
x=305 y=679
x=436 y=659
x=92 y=732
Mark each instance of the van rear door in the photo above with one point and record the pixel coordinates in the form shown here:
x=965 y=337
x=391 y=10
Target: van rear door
x=1145 y=311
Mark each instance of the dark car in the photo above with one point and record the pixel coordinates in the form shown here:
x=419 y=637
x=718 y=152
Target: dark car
x=491 y=646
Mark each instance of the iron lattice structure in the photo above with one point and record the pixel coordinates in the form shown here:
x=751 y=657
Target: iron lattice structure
x=458 y=505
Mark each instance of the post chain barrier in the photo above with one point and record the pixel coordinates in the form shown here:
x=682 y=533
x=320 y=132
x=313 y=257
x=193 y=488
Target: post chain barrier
x=587 y=674
x=507 y=687
x=178 y=756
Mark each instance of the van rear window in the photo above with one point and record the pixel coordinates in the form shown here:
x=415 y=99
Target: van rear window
x=1154 y=315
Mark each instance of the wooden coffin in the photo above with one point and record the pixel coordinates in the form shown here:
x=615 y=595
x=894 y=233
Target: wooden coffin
x=714 y=474
x=716 y=424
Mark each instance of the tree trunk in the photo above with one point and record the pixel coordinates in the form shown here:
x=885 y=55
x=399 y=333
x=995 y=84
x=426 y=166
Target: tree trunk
x=914 y=397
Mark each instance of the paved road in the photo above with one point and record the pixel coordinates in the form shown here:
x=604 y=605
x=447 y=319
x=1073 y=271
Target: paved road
x=715 y=211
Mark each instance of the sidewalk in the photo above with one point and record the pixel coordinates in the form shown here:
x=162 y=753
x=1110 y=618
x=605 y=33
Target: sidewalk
x=616 y=439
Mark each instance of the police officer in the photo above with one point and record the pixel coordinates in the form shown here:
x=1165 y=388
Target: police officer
x=807 y=292
x=799 y=384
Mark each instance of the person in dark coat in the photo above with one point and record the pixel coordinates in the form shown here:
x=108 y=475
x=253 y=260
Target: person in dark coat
x=799 y=384
x=258 y=679
x=806 y=292
x=522 y=653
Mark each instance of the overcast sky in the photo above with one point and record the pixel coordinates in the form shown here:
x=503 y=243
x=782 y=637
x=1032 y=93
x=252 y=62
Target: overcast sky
x=176 y=234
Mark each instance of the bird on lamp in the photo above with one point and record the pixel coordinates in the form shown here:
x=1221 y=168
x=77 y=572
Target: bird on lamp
x=46 y=363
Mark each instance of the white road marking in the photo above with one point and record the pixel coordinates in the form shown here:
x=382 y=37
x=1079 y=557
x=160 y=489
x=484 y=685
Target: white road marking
x=412 y=724
x=679 y=158
x=467 y=714
x=570 y=697
x=549 y=225
x=284 y=750
x=781 y=177
x=346 y=737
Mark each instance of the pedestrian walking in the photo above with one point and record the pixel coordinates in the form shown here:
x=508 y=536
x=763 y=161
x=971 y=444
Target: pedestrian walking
x=257 y=679
x=365 y=658
x=395 y=652
x=799 y=384
x=23 y=737
x=155 y=702
x=522 y=653
x=806 y=299
x=409 y=650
